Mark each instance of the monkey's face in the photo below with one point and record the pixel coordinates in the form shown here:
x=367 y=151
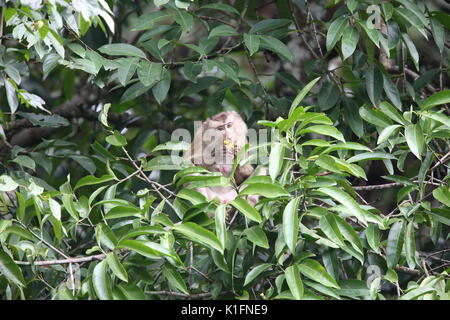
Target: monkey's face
x=222 y=137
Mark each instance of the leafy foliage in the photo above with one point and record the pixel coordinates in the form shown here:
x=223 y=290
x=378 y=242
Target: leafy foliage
x=356 y=203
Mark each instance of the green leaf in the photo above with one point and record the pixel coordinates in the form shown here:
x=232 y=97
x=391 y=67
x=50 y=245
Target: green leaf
x=10 y=270
x=442 y=194
x=116 y=267
x=184 y=19
x=276 y=160
x=394 y=244
x=223 y=31
x=325 y=130
x=411 y=48
x=290 y=223
x=374 y=116
x=134 y=91
x=392 y=92
x=221 y=7
x=370 y=156
x=91 y=180
x=19 y=231
x=245 y=208
x=275 y=45
x=302 y=94
x=267 y=25
x=257 y=235
x=122 y=49
x=140 y=247
x=350 y=39
x=11 y=95
x=439 y=117
x=335 y=31
x=220 y=222
x=294 y=281
x=391 y=112
x=437 y=99
x=149 y=73
x=41 y=120
x=198 y=234
x=7 y=183
x=410 y=245
x=122 y=212
x=255 y=272
x=265 y=190
x=387 y=132
x=251 y=42
x=25 y=161
x=315 y=271
x=101 y=281
x=415 y=139
x=373 y=237
x=348 y=202
x=374 y=84
x=116 y=139
x=175 y=279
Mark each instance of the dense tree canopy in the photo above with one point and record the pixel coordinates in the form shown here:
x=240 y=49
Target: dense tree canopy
x=349 y=101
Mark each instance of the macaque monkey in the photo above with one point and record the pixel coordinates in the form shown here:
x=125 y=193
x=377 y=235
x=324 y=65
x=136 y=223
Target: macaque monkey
x=215 y=146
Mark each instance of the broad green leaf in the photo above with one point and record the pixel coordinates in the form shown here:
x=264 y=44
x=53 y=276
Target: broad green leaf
x=439 y=117
x=275 y=45
x=122 y=49
x=391 y=112
x=410 y=245
x=245 y=208
x=184 y=19
x=91 y=180
x=102 y=282
x=329 y=226
x=387 y=132
x=325 y=130
x=257 y=235
x=223 y=31
x=267 y=25
x=302 y=94
x=394 y=244
x=437 y=99
x=350 y=39
x=276 y=160
x=265 y=190
x=335 y=31
x=374 y=84
x=392 y=92
x=199 y=234
x=25 y=161
x=10 y=270
x=373 y=237
x=251 y=42
x=442 y=194
x=290 y=223
x=411 y=48
x=221 y=7
x=370 y=156
x=42 y=120
x=116 y=267
x=315 y=271
x=255 y=272
x=340 y=196
x=221 y=227
x=415 y=139
x=294 y=281
x=175 y=278
x=374 y=116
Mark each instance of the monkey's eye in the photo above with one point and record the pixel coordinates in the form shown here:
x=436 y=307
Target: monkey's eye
x=221 y=128
x=229 y=125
